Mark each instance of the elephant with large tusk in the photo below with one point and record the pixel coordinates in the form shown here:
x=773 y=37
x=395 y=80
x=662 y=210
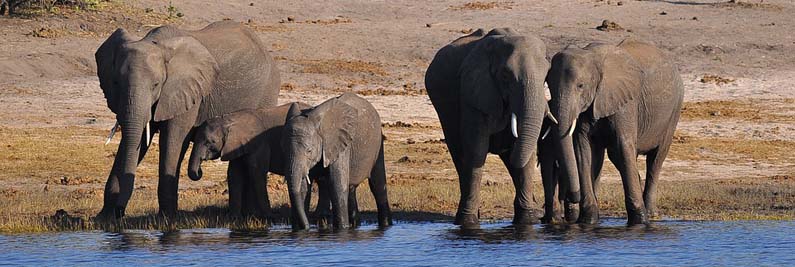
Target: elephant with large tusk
x=169 y=82
x=488 y=91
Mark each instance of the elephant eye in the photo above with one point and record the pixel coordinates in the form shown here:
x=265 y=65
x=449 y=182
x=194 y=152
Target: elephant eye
x=580 y=86
x=156 y=84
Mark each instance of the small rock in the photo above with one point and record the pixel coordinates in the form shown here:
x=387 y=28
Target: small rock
x=290 y=18
x=715 y=113
x=427 y=25
x=663 y=13
x=251 y=4
x=620 y=3
x=695 y=18
x=403 y=159
x=608 y=25
x=410 y=141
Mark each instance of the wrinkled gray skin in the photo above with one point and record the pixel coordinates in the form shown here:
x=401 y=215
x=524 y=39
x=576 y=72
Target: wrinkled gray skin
x=626 y=100
x=556 y=208
x=475 y=83
x=342 y=139
x=174 y=80
x=251 y=141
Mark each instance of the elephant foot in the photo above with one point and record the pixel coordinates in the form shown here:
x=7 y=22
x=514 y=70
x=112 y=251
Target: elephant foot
x=524 y=217
x=552 y=219
x=571 y=213
x=167 y=213
x=467 y=220
x=588 y=216
x=384 y=221
x=110 y=214
x=323 y=223
x=637 y=217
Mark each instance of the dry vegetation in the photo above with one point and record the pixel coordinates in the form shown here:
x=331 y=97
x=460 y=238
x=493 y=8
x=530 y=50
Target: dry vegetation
x=64 y=169
x=330 y=66
x=478 y=5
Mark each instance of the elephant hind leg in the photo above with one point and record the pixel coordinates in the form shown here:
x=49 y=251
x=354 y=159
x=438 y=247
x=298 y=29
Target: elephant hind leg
x=377 y=183
x=654 y=163
x=523 y=201
x=625 y=158
x=353 y=207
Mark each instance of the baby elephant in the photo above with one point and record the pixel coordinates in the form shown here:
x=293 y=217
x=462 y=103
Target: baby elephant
x=342 y=139
x=249 y=140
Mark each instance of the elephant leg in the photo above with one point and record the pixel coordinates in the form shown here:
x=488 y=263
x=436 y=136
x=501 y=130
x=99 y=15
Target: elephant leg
x=624 y=157
x=323 y=209
x=339 y=177
x=174 y=142
x=353 y=207
x=474 y=150
x=449 y=113
x=549 y=178
x=377 y=183
x=523 y=201
x=236 y=180
x=259 y=165
x=589 y=207
x=597 y=162
x=654 y=163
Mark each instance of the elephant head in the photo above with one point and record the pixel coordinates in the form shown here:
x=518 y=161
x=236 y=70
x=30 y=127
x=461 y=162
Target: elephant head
x=150 y=80
x=316 y=136
x=218 y=138
x=504 y=74
x=597 y=80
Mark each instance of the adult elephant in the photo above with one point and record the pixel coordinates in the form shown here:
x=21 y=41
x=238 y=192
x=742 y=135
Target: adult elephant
x=174 y=80
x=621 y=98
x=487 y=89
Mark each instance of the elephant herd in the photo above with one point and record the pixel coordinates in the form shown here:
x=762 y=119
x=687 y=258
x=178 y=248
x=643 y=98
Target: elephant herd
x=217 y=88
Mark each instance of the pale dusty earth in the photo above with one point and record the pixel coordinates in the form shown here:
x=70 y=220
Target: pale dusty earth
x=51 y=82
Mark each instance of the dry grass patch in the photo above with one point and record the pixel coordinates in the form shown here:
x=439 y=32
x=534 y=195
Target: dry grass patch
x=687 y=147
x=337 y=66
x=760 y=4
x=760 y=110
x=478 y=5
x=715 y=79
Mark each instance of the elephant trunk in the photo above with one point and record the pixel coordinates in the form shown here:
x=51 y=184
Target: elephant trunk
x=568 y=160
x=133 y=118
x=296 y=183
x=194 y=164
x=528 y=115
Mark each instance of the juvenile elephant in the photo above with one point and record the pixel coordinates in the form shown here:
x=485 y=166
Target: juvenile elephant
x=624 y=99
x=487 y=89
x=341 y=138
x=251 y=141
x=174 y=80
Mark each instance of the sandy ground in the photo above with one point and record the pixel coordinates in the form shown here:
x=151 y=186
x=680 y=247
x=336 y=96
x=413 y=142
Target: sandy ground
x=382 y=48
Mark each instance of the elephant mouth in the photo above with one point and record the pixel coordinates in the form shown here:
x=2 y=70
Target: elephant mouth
x=117 y=126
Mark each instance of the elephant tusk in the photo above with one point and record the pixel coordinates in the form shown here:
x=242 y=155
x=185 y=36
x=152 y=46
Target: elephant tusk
x=308 y=182
x=112 y=132
x=571 y=129
x=513 y=126
x=148 y=137
x=545 y=133
x=551 y=117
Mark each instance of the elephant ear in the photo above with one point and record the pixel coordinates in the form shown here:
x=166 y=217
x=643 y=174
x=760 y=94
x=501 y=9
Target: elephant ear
x=336 y=130
x=294 y=111
x=478 y=88
x=621 y=81
x=106 y=65
x=235 y=139
x=190 y=76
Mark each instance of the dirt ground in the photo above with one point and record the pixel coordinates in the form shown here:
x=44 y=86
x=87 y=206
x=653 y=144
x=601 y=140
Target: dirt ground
x=737 y=61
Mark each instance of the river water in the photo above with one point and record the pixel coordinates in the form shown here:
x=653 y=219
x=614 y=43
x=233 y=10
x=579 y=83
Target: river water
x=666 y=243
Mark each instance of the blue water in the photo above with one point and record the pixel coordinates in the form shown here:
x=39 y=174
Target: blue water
x=667 y=243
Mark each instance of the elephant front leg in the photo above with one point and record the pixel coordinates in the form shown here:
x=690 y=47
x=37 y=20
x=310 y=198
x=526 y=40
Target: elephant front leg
x=474 y=150
x=259 y=165
x=173 y=145
x=339 y=177
x=549 y=178
x=584 y=151
x=353 y=207
x=523 y=200
x=323 y=209
x=236 y=181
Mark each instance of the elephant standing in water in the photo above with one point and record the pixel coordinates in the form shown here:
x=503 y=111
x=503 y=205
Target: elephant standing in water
x=171 y=81
x=488 y=91
x=251 y=141
x=341 y=138
x=625 y=99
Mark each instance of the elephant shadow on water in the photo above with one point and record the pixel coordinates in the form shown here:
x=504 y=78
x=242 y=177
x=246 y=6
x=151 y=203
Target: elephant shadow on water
x=562 y=232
